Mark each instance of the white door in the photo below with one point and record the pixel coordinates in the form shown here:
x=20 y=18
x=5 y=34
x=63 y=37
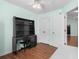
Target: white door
x=51 y=29
x=44 y=29
x=57 y=30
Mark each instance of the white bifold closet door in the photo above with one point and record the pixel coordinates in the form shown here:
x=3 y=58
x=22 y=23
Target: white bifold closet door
x=58 y=34
x=44 y=29
x=51 y=29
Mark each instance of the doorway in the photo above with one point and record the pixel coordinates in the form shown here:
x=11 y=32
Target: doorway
x=72 y=28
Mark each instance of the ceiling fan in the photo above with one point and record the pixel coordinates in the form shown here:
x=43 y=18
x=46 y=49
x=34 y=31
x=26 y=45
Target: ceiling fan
x=37 y=4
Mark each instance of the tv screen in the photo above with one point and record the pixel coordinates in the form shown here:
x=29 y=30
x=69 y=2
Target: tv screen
x=23 y=27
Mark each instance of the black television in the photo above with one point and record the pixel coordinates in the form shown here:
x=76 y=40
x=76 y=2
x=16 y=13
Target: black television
x=23 y=27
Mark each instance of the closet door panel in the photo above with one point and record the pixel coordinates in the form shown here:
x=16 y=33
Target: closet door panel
x=44 y=29
x=58 y=30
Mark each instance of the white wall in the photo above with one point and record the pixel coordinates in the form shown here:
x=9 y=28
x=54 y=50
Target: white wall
x=73 y=22
x=7 y=11
x=2 y=35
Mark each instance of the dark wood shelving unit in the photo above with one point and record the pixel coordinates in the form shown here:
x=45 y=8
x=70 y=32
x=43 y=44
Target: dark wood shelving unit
x=21 y=28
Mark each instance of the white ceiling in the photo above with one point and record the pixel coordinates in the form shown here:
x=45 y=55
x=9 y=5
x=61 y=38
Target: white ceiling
x=48 y=5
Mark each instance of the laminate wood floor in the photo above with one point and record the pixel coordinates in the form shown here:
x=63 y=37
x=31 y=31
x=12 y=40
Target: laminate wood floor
x=72 y=41
x=41 y=51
